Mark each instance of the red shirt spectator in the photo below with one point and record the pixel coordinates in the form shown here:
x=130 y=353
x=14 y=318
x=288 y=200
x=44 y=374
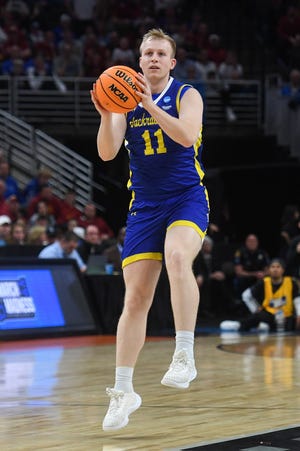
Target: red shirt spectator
x=68 y=210
x=89 y=216
x=16 y=38
x=53 y=202
x=215 y=51
x=289 y=25
x=4 y=210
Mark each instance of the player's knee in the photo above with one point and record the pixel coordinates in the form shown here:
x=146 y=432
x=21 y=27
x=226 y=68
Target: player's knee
x=136 y=303
x=176 y=261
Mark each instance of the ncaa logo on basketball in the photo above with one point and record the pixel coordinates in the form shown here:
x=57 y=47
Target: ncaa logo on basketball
x=117 y=92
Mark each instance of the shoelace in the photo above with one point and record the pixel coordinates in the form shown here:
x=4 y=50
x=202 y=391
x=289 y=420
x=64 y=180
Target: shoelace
x=115 y=399
x=179 y=360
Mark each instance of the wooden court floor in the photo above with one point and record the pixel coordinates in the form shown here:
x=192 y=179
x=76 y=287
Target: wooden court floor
x=52 y=393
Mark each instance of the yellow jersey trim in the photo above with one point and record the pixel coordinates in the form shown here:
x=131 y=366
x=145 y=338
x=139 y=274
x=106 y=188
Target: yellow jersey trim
x=185 y=223
x=143 y=256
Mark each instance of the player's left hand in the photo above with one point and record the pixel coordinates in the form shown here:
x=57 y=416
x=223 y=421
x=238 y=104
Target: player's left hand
x=144 y=90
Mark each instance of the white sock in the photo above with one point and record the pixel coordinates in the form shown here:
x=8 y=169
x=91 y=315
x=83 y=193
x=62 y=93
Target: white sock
x=123 y=379
x=185 y=340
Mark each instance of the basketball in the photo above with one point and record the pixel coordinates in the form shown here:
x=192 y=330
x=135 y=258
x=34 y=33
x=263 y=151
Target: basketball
x=116 y=89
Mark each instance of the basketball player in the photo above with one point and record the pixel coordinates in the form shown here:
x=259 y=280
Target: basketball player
x=167 y=218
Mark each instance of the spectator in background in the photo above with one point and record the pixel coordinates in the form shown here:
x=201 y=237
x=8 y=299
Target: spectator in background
x=4 y=209
x=201 y=30
x=291 y=90
x=89 y=216
x=5 y=229
x=64 y=24
x=46 y=47
x=17 y=44
x=114 y=252
x=68 y=209
x=204 y=65
x=216 y=52
x=64 y=246
x=288 y=27
x=38 y=74
x=14 y=64
x=185 y=66
x=37 y=235
x=12 y=186
x=123 y=54
x=80 y=232
x=34 y=186
x=41 y=216
x=250 y=264
x=275 y=293
x=19 y=11
x=15 y=210
x=220 y=226
x=52 y=201
x=45 y=12
x=36 y=36
x=230 y=70
x=75 y=44
x=18 y=234
x=92 y=243
x=53 y=233
x=71 y=224
x=214 y=281
x=67 y=62
x=96 y=56
x=82 y=13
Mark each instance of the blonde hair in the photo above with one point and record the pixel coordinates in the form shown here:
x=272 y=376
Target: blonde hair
x=158 y=33
x=35 y=234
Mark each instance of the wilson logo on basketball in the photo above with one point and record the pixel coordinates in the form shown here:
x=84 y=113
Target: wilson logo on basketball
x=127 y=78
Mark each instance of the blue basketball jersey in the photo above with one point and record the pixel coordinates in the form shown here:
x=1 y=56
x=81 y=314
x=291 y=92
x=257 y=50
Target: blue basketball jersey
x=160 y=167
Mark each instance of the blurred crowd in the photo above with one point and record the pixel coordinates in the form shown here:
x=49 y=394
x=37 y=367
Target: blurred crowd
x=34 y=215
x=47 y=41
x=83 y=37
x=65 y=38
x=225 y=269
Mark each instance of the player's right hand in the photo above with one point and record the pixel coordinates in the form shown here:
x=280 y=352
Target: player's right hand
x=96 y=102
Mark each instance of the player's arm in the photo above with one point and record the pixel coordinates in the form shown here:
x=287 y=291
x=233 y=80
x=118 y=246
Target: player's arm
x=110 y=135
x=250 y=301
x=186 y=128
x=111 y=131
x=254 y=296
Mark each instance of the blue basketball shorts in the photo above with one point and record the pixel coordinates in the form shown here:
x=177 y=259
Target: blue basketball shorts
x=148 y=221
